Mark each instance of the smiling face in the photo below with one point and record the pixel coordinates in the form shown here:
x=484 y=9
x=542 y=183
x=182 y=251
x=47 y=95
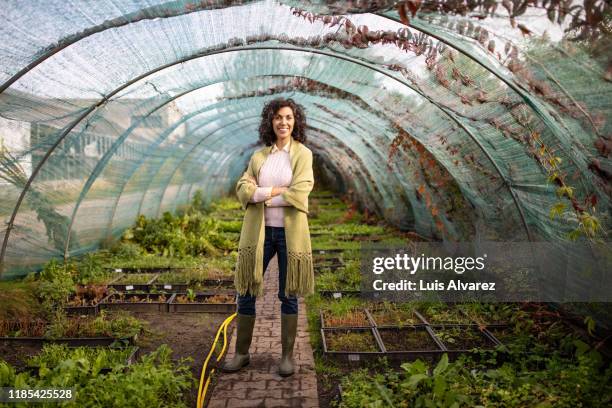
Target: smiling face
x=282 y=123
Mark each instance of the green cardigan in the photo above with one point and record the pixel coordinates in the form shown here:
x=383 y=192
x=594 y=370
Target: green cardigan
x=249 y=267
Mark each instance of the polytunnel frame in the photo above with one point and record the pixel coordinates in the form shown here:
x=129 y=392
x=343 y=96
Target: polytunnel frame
x=117 y=143
x=138 y=165
x=141 y=15
x=138 y=16
x=161 y=139
x=188 y=153
x=420 y=25
x=201 y=54
x=101 y=164
x=319 y=129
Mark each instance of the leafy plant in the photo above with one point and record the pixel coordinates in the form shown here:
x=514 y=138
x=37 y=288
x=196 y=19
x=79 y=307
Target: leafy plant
x=56 y=283
x=54 y=354
x=191 y=295
x=154 y=381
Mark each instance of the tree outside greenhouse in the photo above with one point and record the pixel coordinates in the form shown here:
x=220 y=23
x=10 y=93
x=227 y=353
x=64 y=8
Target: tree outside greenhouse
x=314 y=203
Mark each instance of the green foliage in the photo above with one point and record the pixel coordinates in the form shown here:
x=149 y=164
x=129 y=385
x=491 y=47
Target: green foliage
x=127 y=249
x=90 y=269
x=191 y=296
x=155 y=381
x=579 y=381
x=175 y=236
x=56 y=283
x=119 y=325
x=53 y=355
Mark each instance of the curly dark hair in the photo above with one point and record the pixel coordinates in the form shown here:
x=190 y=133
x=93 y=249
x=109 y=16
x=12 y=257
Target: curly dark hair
x=266 y=132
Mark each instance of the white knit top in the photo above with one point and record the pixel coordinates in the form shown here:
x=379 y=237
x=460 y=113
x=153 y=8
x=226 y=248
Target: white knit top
x=275 y=172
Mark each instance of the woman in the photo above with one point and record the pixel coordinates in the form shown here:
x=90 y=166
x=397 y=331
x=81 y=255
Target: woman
x=274 y=192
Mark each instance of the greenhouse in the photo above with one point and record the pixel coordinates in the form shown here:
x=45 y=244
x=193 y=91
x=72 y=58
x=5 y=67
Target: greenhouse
x=143 y=148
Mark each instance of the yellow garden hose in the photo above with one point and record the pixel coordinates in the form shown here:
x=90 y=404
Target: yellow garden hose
x=202 y=392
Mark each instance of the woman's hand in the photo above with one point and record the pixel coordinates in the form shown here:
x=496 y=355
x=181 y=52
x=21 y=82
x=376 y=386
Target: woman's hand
x=277 y=191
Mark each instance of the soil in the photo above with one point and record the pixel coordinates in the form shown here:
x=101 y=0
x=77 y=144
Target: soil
x=394 y=317
x=463 y=338
x=17 y=354
x=135 y=278
x=357 y=341
x=187 y=334
x=139 y=298
x=356 y=318
x=448 y=316
x=407 y=339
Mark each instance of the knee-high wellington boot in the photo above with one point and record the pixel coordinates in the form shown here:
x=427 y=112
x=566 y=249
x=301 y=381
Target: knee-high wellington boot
x=244 y=334
x=288 y=332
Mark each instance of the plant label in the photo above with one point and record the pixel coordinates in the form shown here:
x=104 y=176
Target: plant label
x=167 y=286
x=353 y=357
x=337 y=295
x=129 y=287
x=118 y=270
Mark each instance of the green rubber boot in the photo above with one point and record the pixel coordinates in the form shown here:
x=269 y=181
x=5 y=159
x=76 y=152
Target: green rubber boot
x=288 y=332
x=244 y=334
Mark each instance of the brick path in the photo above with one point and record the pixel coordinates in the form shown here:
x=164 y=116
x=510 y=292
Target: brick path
x=258 y=384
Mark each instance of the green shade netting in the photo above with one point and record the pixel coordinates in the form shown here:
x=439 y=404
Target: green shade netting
x=114 y=110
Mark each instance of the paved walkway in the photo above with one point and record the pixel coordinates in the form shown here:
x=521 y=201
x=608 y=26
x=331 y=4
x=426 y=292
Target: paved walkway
x=258 y=384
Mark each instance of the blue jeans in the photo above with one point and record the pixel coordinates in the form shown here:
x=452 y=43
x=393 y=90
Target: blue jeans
x=274 y=244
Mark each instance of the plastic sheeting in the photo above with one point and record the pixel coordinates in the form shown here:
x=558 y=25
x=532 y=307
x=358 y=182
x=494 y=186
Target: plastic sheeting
x=451 y=129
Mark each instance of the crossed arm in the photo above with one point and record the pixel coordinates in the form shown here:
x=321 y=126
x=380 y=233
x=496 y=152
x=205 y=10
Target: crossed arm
x=295 y=195
x=271 y=195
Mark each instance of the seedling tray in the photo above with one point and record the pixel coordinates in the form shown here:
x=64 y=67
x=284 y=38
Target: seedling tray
x=328 y=251
x=218 y=282
x=338 y=294
x=147 y=270
x=415 y=320
x=84 y=310
x=319 y=266
x=169 y=287
x=409 y=342
x=200 y=305
x=367 y=321
x=356 y=354
x=465 y=338
x=113 y=303
x=128 y=287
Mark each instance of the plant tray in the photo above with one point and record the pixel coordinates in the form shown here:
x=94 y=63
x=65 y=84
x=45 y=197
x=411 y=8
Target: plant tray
x=371 y=346
x=338 y=294
x=169 y=287
x=398 y=318
x=129 y=287
x=327 y=251
x=366 y=321
x=218 y=282
x=147 y=270
x=459 y=317
x=112 y=303
x=200 y=305
x=459 y=338
x=319 y=266
x=84 y=310
x=409 y=342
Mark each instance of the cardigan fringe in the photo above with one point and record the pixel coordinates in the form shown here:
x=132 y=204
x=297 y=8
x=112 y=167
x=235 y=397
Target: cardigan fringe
x=300 y=274
x=245 y=279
